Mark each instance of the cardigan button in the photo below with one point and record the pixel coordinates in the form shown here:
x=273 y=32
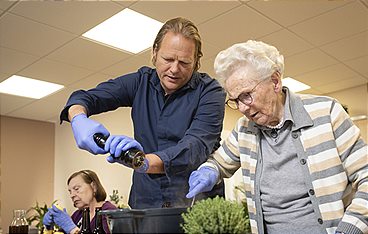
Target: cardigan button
x=320 y=221
x=303 y=161
x=166 y=204
x=311 y=192
x=294 y=135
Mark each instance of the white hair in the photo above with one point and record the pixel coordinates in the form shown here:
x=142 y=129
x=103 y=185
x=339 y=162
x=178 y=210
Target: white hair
x=263 y=58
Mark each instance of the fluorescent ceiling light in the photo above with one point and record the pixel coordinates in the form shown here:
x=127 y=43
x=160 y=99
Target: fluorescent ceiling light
x=294 y=85
x=127 y=30
x=27 y=87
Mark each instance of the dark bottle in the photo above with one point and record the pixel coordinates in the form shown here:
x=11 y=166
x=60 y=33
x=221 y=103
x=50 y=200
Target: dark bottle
x=133 y=157
x=19 y=223
x=98 y=222
x=86 y=227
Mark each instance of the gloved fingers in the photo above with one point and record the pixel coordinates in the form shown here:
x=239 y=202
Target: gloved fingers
x=117 y=145
x=193 y=177
x=47 y=219
x=93 y=148
x=111 y=143
x=193 y=191
x=132 y=144
x=111 y=159
x=84 y=129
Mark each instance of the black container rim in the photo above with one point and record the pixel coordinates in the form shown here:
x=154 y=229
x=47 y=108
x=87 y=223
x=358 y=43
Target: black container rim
x=121 y=213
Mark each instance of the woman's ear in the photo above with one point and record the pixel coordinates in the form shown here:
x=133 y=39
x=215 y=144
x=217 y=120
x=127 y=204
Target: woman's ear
x=94 y=187
x=276 y=80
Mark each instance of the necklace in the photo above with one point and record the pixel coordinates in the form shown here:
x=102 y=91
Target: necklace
x=277 y=126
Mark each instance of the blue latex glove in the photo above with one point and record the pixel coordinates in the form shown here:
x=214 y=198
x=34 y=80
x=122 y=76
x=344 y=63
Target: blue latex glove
x=144 y=167
x=202 y=180
x=84 y=129
x=47 y=219
x=116 y=144
x=62 y=219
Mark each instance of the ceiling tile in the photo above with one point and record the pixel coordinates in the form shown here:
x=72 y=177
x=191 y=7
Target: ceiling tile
x=326 y=75
x=209 y=50
x=301 y=9
x=13 y=61
x=193 y=10
x=306 y=62
x=55 y=72
x=87 y=54
x=43 y=109
x=4 y=76
x=4 y=5
x=129 y=65
x=9 y=103
x=220 y=33
x=348 y=20
x=312 y=91
x=286 y=42
x=65 y=14
x=359 y=65
x=348 y=48
x=347 y=83
x=30 y=37
x=207 y=66
x=90 y=82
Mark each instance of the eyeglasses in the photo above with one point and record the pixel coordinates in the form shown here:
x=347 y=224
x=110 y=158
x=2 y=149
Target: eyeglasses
x=245 y=98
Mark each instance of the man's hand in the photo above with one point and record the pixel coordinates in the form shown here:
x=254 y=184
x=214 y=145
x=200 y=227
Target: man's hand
x=84 y=129
x=116 y=144
x=202 y=180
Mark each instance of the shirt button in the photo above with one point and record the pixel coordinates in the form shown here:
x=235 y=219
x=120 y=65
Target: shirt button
x=303 y=161
x=294 y=135
x=320 y=221
x=311 y=192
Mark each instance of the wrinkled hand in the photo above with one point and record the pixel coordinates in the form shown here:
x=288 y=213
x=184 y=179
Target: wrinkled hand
x=202 y=180
x=62 y=219
x=47 y=219
x=83 y=130
x=116 y=144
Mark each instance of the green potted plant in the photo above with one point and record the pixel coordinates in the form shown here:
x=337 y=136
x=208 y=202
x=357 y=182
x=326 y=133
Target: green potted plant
x=117 y=199
x=35 y=215
x=216 y=215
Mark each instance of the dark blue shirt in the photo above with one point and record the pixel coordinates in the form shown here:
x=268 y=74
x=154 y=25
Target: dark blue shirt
x=182 y=129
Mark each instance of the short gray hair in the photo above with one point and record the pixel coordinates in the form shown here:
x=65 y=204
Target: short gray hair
x=265 y=59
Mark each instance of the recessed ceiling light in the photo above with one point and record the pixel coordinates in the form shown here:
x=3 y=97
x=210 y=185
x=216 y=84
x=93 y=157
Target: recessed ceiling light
x=27 y=87
x=294 y=85
x=127 y=30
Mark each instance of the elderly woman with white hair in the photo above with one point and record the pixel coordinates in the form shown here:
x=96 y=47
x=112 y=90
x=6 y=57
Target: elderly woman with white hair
x=303 y=161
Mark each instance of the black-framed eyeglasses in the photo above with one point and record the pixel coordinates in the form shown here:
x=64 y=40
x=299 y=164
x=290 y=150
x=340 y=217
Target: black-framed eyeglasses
x=245 y=98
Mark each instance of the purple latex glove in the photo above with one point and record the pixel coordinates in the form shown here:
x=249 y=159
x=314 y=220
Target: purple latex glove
x=62 y=219
x=47 y=220
x=116 y=144
x=84 y=129
x=202 y=180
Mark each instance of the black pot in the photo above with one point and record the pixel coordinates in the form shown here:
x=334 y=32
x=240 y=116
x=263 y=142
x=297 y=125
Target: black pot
x=156 y=220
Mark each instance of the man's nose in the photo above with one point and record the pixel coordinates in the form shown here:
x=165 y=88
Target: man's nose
x=174 y=67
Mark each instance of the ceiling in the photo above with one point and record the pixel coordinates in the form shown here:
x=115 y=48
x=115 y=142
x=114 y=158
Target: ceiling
x=325 y=43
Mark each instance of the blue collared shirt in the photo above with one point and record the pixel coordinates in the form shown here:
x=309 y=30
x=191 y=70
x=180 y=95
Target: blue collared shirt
x=182 y=129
